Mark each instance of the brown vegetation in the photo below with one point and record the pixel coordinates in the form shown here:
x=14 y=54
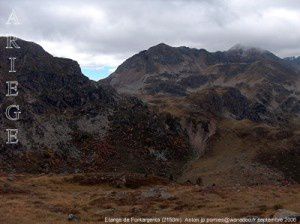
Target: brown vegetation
x=52 y=198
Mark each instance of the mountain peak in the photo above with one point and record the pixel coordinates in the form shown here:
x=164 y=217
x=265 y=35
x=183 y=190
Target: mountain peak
x=160 y=47
x=245 y=48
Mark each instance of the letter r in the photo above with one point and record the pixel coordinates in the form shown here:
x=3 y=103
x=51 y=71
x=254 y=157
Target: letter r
x=11 y=42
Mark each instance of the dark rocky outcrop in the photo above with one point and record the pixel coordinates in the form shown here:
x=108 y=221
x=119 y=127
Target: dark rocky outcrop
x=72 y=124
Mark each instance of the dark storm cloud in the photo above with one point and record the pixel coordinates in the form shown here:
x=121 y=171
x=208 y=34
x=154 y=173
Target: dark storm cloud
x=98 y=33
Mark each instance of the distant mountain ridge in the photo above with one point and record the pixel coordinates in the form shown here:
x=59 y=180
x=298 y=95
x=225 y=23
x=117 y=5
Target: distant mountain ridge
x=294 y=60
x=266 y=80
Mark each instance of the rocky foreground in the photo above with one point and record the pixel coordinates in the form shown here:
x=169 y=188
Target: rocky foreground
x=92 y=197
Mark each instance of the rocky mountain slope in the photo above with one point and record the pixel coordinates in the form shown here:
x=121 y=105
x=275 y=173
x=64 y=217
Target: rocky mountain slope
x=294 y=60
x=264 y=85
x=71 y=124
x=208 y=91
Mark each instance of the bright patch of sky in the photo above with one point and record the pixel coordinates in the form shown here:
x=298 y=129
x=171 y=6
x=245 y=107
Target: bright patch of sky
x=97 y=73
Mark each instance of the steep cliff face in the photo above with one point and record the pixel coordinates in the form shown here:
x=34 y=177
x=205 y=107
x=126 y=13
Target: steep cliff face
x=70 y=123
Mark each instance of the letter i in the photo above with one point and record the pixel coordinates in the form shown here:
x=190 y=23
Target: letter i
x=12 y=64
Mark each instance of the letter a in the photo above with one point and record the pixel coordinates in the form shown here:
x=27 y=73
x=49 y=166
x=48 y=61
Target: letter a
x=13 y=19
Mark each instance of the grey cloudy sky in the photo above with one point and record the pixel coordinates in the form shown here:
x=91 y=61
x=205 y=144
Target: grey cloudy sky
x=102 y=34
